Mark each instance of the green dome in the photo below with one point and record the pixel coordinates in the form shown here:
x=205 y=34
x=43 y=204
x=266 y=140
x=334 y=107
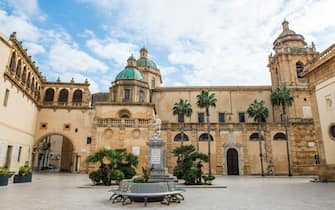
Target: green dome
x=144 y=62
x=129 y=73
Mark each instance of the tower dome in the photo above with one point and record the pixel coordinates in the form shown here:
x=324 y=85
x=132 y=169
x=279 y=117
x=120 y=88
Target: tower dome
x=129 y=73
x=144 y=61
x=289 y=38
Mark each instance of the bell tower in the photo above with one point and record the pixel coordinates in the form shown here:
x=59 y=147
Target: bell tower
x=290 y=56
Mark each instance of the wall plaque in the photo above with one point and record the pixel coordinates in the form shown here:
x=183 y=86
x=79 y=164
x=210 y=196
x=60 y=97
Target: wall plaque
x=155 y=156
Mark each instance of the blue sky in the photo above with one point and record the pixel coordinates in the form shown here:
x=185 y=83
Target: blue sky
x=194 y=42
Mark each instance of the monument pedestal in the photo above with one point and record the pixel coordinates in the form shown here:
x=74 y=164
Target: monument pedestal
x=157 y=160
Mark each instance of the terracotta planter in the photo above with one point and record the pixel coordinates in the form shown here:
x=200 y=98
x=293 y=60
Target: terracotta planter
x=3 y=180
x=22 y=179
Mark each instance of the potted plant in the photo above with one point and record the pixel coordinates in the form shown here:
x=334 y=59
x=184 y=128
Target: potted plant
x=3 y=177
x=25 y=175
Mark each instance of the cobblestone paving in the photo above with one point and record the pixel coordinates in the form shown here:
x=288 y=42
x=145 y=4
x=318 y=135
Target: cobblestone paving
x=61 y=191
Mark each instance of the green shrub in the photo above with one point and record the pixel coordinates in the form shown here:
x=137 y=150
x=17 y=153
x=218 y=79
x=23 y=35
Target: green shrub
x=117 y=175
x=208 y=178
x=3 y=172
x=139 y=180
x=24 y=170
x=179 y=171
x=192 y=176
x=95 y=176
x=129 y=172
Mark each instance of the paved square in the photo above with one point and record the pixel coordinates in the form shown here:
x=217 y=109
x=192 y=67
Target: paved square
x=61 y=191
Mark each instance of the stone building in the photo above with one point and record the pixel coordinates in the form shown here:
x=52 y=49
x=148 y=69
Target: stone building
x=54 y=112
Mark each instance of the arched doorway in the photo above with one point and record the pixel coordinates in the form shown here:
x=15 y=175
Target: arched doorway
x=53 y=153
x=232 y=162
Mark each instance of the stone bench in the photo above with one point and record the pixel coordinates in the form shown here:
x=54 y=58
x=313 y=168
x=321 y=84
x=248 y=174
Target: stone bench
x=165 y=192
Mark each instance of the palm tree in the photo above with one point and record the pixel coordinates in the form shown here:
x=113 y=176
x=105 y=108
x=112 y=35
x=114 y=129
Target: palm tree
x=206 y=100
x=181 y=109
x=281 y=96
x=259 y=112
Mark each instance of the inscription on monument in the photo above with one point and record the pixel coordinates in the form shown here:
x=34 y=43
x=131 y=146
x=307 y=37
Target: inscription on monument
x=155 y=156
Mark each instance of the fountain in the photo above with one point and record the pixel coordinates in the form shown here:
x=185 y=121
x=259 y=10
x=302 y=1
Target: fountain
x=161 y=186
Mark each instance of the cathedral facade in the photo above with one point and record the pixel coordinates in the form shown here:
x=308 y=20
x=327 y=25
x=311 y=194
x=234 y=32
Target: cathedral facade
x=56 y=125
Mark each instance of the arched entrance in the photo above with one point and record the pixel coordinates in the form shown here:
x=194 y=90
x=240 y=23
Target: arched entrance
x=53 y=153
x=232 y=162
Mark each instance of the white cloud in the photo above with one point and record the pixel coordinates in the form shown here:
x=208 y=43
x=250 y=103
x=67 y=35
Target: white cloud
x=67 y=76
x=34 y=48
x=104 y=5
x=27 y=9
x=24 y=28
x=220 y=42
x=65 y=57
x=112 y=49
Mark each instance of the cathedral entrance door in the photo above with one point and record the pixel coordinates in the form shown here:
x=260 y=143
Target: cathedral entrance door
x=232 y=162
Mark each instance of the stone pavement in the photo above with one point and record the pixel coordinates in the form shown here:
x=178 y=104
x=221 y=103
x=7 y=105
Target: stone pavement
x=61 y=191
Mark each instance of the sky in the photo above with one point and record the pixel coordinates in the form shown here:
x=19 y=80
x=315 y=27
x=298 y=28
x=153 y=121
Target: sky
x=193 y=42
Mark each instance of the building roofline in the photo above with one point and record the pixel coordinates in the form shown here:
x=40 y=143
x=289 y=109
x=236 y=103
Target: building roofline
x=214 y=88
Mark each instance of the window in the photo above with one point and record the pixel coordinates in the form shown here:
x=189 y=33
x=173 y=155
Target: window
x=63 y=95
x=28 y=80
x=204 y=137
x=178 y=137
x=12 y=63
x=180 y=118
x=221 y=117
x=89 y=140
x=126 y=95
x=77 y=96
x=23 y=78
x=19 y=154
x=279 y=136
x=201 y=117
x=254 y=137
x=18 y=69
x=49 y=95
x=332 y=131
x=153 y=84
x=5 y=100
x=299 y=68
x=241 y=116
x=141 y=96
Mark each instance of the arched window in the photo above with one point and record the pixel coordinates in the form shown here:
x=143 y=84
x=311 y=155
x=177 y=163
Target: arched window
x=28 y=80
x=32 y=87
x=63 y=96
x=178 y=137
x=12 y=64
x=204 y=137
x=124 y=113
x=24 y=74
x=77 y=96
x=49 y=95
x=299 y=66
x=254 y=137
x=279 y=136
x=18 y=69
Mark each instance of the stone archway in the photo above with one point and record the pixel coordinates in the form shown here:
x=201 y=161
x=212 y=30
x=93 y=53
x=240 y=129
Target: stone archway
x=54 y=152
x=233 y=163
